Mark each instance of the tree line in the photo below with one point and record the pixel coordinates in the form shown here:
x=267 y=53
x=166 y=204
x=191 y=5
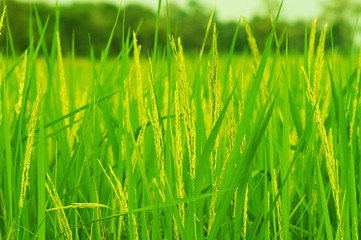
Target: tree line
x=89 y=24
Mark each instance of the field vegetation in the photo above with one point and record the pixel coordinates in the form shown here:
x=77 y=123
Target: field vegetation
x=166 y=144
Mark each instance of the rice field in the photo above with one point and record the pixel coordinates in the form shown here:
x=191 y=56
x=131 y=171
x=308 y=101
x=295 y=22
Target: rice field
x=215 y=145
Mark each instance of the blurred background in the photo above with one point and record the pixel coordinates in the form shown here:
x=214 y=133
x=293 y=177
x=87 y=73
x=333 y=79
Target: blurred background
x=91 y=21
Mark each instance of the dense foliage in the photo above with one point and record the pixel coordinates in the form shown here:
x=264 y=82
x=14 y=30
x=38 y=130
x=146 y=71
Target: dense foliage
x=177 y=145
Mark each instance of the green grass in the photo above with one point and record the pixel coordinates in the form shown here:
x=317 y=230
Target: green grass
x=302 y=183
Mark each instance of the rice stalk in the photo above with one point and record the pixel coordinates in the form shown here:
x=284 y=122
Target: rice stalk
x=232 y=137
x=158 y=135
x=140 y=142
x=3 y=211
x=278 y=204
x=110 y=182
x=116 y=193
x=314 y=194
x=243 y=144
x=311 y=46
x=29 y=149
x=99 y=212
x=122 y=197
x=184 y=103
x=176 y=231
x=121 y=191
x=355 y=100
x=241 y=110
x=63 y=88
x=139 y=81
x=62 y=220
x=135 y=228
x=231 y=119
x=18 y=105
x=256 y=57
x=245 y=215
x=214 y=99
x=252 y=42
x=319 y=61
x=64 y=96
x=74 y=129
x=165 y=100
x=179 y=154
x=331 y=162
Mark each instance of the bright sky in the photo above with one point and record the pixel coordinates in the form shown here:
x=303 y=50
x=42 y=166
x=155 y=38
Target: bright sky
x=232 y=9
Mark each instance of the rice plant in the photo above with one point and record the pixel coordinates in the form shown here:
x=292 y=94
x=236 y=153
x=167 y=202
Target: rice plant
x=262 y=145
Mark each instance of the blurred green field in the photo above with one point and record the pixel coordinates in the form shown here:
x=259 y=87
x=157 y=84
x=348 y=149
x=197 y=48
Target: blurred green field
x=180 y=145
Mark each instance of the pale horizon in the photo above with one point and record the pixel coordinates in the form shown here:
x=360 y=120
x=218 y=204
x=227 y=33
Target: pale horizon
x=293 y=10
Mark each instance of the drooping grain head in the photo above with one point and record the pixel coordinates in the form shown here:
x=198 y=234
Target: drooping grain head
x=357 y=94
x=184 y=103
x=179 y=154
x=157 y=129
x=110 y=182
x=119 y=192
x=212 y=79
x=64 y=98
x=18 y=105
x=311 y=46
x=135 y=228
x=278 y=203
x=28 y=151
x=178 y=132
x=245 y=215
x=175 y=229
x=327 y=148
x=214 y=99
x=230 y=114
x=252 y=42
x=139 y=80
x=62 y=219
x=319 y=61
